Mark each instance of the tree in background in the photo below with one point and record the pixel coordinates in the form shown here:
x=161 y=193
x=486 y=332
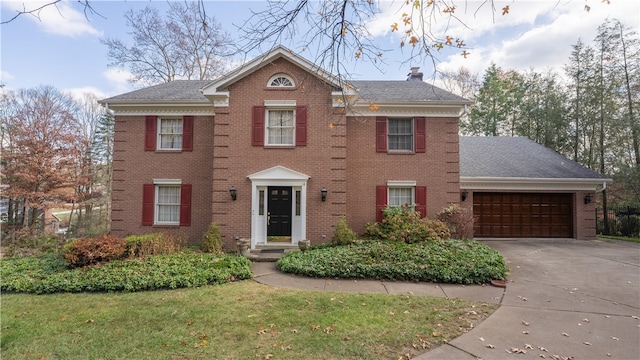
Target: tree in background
x=185 y=44
x=41 y=149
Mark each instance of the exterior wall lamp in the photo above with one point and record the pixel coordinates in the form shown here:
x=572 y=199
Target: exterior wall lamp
x=233 y=192
x=463 y=195
x=588 y=198
x=323 y=192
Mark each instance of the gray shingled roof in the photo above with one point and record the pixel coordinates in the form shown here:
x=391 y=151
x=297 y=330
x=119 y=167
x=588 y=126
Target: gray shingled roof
x=402 y=90
x=516 y=157
x=177 y=90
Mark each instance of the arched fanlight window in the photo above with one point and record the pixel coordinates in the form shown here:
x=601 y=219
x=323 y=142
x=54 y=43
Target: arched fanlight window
x=280 y=81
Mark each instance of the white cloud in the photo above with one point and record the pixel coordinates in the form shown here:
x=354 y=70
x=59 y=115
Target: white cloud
x=78 y=93
x=65 y=18
x=5 y=77
x=118 y=80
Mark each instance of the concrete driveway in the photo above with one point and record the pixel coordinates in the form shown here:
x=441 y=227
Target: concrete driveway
x=565 y=299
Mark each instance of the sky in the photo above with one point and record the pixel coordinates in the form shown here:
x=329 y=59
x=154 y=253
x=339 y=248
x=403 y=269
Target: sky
x=61 y=47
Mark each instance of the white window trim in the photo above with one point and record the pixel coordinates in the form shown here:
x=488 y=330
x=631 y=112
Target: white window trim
x=165 y=182
x=271 y=79
x=279 y=105
x=159 y=128
x=413 y=136
x=402 y=184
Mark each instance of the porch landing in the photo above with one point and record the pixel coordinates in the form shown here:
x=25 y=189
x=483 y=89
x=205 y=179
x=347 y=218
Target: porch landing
x=271 y=252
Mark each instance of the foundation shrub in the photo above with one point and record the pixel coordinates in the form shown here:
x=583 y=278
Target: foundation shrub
x=91 y=251
x=212 y=240
x=153 y=244
x=343 y=235
x=459 y=219
x=404 y=224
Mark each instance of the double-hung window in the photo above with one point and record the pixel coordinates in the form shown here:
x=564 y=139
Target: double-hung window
x=166 y=202
x=169 y=134
x=401 y=193
x=400 y=134
x=401 y=196
x=280 y=126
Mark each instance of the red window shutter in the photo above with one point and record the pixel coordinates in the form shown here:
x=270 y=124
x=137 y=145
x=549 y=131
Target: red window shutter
x=185 y=205
x=420 y=134
x=301 y=125
x=381 y=134
x=187 y=133
x=150 y=134
x=421 y=200
x=148 y=199
x=257 y=133
x=381 y=201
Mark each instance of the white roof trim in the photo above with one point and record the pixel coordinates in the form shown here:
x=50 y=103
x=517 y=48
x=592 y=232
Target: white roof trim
x=523 y=184
x=264 y=59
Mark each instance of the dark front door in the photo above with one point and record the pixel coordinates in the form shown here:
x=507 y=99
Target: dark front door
x=279 y=211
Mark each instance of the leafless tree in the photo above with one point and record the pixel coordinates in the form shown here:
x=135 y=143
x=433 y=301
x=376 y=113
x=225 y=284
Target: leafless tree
x=186 y=44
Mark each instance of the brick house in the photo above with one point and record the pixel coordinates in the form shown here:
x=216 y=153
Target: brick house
x=278 y=150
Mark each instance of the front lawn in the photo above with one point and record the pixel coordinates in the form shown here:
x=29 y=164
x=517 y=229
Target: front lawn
x=48 y=273
x=449 y=261
x=240 y=320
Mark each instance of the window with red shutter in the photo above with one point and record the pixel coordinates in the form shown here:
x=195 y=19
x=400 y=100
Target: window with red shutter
x=420 y=135
x=185 y=205
x=148 y=200
x=187 y=133
x=381 y=201
x=301 y=126
x=381 y=134
x=257 y=126
x=150 y=134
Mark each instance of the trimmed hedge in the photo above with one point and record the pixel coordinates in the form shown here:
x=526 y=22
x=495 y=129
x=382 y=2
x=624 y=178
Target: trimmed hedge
x=452 y=261
x=48 y=273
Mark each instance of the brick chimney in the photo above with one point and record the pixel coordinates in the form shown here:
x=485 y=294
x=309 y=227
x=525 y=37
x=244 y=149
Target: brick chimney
x=415 y=74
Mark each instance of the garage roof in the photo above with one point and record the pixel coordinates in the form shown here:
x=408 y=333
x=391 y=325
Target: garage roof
x=517 y=157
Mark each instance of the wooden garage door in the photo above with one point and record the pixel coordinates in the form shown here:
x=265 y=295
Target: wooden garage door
x=523 y=215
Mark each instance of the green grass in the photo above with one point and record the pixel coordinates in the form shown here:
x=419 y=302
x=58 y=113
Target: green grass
x=622 y=238
x=242 y=320
x=450 y=261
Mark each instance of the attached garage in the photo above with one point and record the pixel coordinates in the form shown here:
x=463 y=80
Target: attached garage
x=536 y=215
x=520 y=189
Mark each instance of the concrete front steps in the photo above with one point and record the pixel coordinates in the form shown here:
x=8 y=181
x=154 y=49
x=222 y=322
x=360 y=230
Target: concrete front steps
x=270 y=252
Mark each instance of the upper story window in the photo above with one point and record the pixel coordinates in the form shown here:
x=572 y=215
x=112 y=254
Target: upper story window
x=169 y=134
x=280 y=126
x=279 y=123
x=400 y=134
x=280 y=81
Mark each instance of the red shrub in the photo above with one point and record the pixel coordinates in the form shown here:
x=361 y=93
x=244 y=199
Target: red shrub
x=91 y=251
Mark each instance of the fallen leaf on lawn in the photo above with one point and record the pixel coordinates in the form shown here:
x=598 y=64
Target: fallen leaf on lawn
x=288 y=347
x=585 y=320
x=518 y=351
x=268 y=356
x=272 y=325
x=481 y=339
x=328 y=330
x=542 y=349
x=525 y=323
x=527 y=346
x=63 y=318
x=587 y=343
x=525 y=332
x=295 y=331
x=406 y=312
x=261 y=330
x=89 y=321
x=435 y=334
x=614 y=338
x=345 y=337
x=315 y=327
x=490 y=346
x=391 y=313
x=635 y=317
x=565 y=334
x=609 y=354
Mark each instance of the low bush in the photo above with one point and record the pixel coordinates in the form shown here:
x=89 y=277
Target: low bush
x=212 y=240
x=90 y=251
x=454 y=261
x=459 y=220
x=343 y=235
x=404 y=224
x=48 y=273
x=153 y=244
x=19 y=244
